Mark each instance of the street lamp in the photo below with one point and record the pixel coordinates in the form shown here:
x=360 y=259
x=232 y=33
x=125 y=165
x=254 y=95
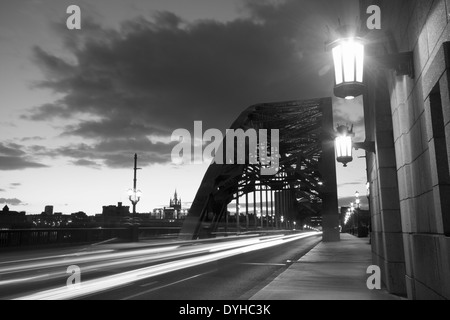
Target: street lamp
x=358 y=201
x=134 y=196
x=344 y=145
x=348 y=58
x=348 y=50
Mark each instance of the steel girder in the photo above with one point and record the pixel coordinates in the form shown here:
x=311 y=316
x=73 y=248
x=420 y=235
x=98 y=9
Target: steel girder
x=303 y=128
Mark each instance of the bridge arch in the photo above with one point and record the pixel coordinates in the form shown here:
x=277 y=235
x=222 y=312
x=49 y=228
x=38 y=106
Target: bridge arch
x=305 y=182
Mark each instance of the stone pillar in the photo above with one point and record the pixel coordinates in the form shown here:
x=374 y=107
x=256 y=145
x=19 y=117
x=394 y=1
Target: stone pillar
x=246 y=211
x=330 y=207
x=387 y=245
x=238 y=218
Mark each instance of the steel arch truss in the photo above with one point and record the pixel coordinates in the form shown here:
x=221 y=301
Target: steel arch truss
x=303 y=127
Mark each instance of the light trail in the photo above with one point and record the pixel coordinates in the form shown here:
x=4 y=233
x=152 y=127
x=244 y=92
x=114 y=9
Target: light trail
x=110 y=282
x=80 y=259
x=76 y=254
x=57 y=267
x=127 y=258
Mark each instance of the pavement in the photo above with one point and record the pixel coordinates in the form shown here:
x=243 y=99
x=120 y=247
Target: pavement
x=330 y=271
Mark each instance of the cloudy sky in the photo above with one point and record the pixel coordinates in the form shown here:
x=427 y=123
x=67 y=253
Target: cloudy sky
x=75 y=105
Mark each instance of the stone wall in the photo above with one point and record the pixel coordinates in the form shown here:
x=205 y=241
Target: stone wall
x=420 y=117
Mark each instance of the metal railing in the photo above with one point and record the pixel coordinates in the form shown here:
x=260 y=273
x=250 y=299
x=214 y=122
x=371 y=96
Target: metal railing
x=43 y=237
x=57 y=237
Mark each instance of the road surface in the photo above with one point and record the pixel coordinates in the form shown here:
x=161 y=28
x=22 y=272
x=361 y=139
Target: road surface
x=202 y=270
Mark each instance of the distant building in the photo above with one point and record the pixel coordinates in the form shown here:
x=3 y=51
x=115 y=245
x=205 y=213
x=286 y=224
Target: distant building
x=81 y=220
x=48 y=211
x=173 y=212
x=118 y=210
x=12 y=219
x=113 y=216
x=175 y=203
x=57 y=220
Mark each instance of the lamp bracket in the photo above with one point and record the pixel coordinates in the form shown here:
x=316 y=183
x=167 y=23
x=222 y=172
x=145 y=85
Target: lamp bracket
x=368 y=146
x=402 y=63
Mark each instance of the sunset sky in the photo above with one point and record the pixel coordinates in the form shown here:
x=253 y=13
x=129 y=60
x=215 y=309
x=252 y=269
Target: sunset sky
x=76 y=105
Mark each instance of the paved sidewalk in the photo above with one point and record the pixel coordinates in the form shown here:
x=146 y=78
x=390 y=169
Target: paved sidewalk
x=331 y=271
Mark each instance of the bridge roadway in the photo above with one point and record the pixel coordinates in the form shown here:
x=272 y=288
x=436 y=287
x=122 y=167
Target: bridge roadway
x=221 y=269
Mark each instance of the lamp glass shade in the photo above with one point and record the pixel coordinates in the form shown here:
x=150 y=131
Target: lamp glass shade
x=348 y=58
x=344 y=149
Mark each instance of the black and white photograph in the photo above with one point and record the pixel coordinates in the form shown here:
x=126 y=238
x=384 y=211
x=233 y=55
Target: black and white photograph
x=230 y=156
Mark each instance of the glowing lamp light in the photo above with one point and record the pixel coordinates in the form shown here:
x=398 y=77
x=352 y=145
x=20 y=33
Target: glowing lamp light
x=348 y=58
x=134 y=195
x=344 y=145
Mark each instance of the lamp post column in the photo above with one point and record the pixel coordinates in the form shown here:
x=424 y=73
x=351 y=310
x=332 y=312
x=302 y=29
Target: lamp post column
x=135 y=197
x=134 y=186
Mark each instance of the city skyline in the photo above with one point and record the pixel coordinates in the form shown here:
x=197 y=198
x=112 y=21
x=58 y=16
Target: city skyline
x=69 y=134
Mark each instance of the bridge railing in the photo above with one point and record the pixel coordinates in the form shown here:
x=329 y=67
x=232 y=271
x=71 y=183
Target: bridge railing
x=44 y=237
x=57 y=237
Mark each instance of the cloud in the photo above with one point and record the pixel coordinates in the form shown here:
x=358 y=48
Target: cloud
x=156 y=75
x=12 y=202
x=11 y=149
x=350 y=113
x=15 y=184
x=39 y=151
x=111 y=128
x=36 y=138
x=118 y=153
x=13 y=157
x=2 y=190
x=16 y=163
x=358 y=183
x=8 y=124
x=85 y=163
